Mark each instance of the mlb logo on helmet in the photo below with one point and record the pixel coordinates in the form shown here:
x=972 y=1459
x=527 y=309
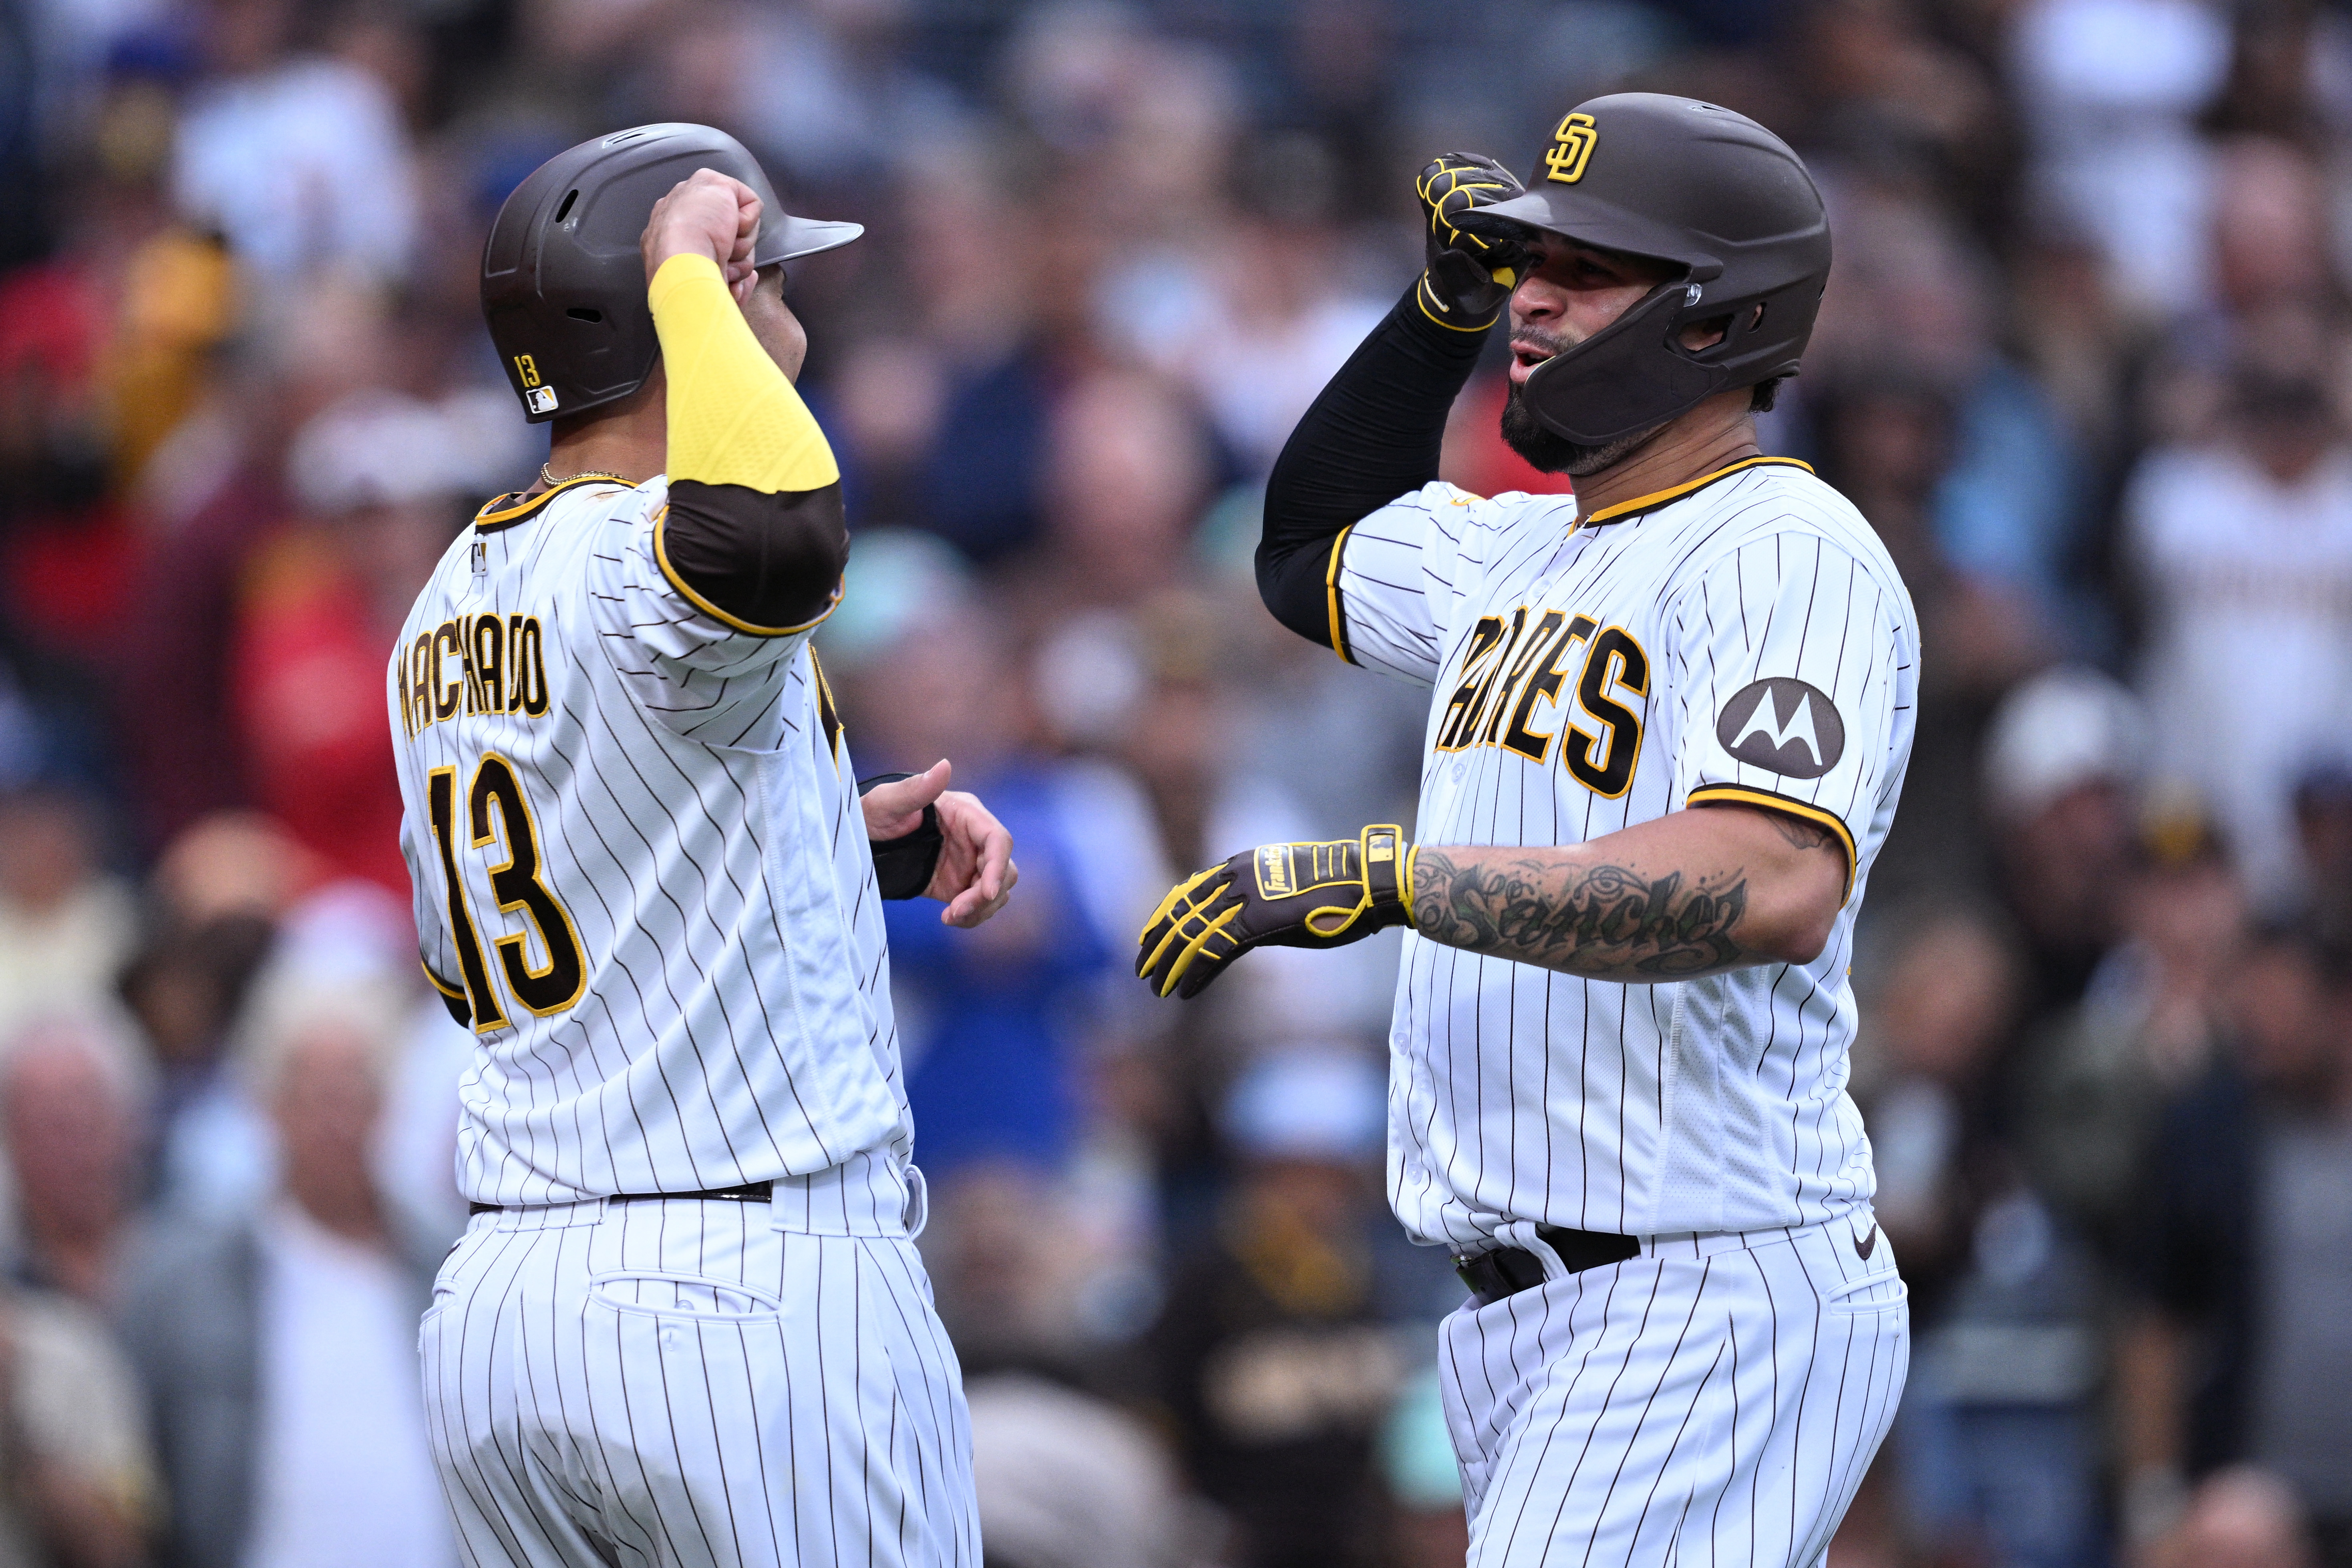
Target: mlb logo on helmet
x=540 y=399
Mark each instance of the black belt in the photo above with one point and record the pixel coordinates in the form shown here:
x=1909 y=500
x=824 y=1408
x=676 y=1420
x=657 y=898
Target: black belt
x=1507 y=1271
x=750 y=1192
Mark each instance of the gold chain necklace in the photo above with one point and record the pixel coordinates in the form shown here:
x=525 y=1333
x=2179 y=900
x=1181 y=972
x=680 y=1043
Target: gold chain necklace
x=550 y=481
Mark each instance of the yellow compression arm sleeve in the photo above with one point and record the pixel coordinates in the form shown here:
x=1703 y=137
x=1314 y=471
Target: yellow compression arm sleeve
x=734 y=418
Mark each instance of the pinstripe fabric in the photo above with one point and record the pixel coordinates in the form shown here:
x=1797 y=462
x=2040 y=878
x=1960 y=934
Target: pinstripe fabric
x=1717 y=1398
x=1714 y=1401
x=684 y=1383
x=591 y=760
x=697 y=820
x=1709 y=1105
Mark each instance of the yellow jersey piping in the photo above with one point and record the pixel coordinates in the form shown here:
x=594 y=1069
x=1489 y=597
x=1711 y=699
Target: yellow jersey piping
x=1740 y=795
x=1331 y=596
x=1642 y=503
x=488 y=521
x=661 y=554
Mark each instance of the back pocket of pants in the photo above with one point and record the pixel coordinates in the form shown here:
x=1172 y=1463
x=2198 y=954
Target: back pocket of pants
x=691 y=1296
x=1872 y=1293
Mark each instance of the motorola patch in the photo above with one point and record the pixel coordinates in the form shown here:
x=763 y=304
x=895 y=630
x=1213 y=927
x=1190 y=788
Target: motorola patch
x=1784 y=726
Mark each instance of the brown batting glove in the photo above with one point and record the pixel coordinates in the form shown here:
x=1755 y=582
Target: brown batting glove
x=1323 y=895
x=1472 y=267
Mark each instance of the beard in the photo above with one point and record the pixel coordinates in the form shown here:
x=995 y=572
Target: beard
x=1548 y=452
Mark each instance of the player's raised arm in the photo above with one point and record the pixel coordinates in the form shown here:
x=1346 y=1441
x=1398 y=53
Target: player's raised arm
x=755 y=535
x=1374 y=432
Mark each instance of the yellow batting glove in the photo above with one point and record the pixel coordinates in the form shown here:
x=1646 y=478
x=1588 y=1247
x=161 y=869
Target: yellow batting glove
x=1471 y=267
x=1314 y=895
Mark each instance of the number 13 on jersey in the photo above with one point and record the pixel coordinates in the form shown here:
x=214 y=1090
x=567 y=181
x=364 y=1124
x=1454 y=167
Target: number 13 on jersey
x=496 y=811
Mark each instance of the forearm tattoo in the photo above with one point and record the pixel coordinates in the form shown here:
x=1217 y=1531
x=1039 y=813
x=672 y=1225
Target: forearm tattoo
x=1604 y=922
x=1801 y=834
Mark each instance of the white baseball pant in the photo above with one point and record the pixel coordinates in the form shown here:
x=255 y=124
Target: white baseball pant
x=682 y=1383
x=1714 y=1400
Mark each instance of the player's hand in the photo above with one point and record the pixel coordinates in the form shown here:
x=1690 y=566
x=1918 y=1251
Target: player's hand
x=1472 y=267
x=1324 y=894
x=975 y=873
x=706 y=213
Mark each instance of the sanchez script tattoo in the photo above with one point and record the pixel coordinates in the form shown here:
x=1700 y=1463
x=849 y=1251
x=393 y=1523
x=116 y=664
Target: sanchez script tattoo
x=1606 y=922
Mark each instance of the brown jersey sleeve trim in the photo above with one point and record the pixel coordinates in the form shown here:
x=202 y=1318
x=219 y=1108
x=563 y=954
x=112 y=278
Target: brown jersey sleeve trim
x=452 y=997
x=766 y=564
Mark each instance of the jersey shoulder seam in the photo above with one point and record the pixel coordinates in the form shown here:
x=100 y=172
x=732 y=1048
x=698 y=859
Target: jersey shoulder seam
x=1849 y=535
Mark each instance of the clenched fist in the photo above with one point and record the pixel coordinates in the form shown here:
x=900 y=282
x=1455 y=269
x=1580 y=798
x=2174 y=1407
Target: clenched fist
x=1312 y=895
x=1471 y=269
x=706 y=213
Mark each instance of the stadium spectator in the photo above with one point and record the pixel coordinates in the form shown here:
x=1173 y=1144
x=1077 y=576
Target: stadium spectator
x=66 y=926
x=81 y=1485
x=2237 y=1351
x=2239 y=1518
x=1281 y=1347
x=300 y=158
x=1126 y=472
x=2323 y=825
x=996 y=1021
x=2111 y=90
x=72 y=1100
x=1945 y=996
x=1009 y=1274
x=1068 y=1481
x=1997 y=1434
x=2277 y=577
x=2095 y=1080
x=377 y=480
x=2063 y=763
x=277 y=1349
x=1254 y=325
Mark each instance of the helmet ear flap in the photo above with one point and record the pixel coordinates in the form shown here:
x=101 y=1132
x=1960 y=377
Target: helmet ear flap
x=1631 y=376
x=1714 y=332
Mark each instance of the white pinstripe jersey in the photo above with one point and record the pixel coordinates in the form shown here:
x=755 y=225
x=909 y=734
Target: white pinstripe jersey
x=1742 y=638
x=637 y=851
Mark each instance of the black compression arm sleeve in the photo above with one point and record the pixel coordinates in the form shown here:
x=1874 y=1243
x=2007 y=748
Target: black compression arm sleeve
x=1373 y=434
x=771 y=561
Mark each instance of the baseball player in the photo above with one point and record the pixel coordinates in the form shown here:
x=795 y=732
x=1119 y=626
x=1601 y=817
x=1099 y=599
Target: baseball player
x=1668 y=723
x=687 y=1324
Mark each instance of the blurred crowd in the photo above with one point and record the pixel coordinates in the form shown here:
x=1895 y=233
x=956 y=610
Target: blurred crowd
x=2083 y=362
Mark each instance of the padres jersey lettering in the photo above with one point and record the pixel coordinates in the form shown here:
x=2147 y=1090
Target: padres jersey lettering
x=640 y=863
x=1743 y=638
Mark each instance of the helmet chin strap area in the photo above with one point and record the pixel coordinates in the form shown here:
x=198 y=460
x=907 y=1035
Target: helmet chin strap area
x=1617 y=382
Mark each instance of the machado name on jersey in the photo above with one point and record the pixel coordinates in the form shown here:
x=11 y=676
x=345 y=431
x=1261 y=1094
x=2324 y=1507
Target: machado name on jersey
x=640 y=863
